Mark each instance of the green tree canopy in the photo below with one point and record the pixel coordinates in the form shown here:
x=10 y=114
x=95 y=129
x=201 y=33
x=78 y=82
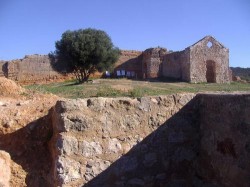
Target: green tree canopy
x=84 y=52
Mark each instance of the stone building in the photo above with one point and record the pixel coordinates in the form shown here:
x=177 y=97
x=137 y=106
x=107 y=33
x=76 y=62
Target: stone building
x=205 y=61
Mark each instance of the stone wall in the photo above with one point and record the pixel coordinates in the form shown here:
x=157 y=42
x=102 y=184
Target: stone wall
x=201 y=54
x=32 y=69
x=175 y=140
x=2 y=68
x=205 y=61
x=129 y=61
x=4 y=169
x=225 y=139
x=37 y=68
x=92 y=134
x=152 y=62
x=176 y=65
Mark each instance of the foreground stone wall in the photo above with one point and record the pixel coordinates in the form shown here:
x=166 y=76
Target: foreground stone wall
x=225 y=139
x=175 y=140
x=91 y=134
x=4 y=169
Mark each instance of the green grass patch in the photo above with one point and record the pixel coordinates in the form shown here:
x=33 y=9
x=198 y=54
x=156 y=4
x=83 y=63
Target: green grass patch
x=107 y=91
x=129 y=88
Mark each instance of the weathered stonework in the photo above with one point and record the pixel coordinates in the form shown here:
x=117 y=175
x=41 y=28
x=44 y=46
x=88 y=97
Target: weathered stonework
x=32 y=69
x=225 y=139
x=205 y=61
x=37 y=68
x=4 y=169
x=2 y=68
x=91 y=134
x=176 y=65
x=152 y=62
x=209 y=61
x=130 y=61
x=175 y=140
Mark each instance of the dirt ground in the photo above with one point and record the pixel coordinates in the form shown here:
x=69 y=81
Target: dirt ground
x=24 y=133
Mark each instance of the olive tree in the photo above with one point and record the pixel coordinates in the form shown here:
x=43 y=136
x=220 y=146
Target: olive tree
x=84 y=52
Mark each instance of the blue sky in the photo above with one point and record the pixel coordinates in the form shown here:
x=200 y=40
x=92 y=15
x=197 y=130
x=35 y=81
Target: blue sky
x=33 y=26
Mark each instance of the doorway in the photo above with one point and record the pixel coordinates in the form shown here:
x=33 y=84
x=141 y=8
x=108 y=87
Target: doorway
x=145 y=70
x=211 y=71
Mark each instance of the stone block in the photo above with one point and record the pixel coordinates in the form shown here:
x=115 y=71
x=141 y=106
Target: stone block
x=5 y=171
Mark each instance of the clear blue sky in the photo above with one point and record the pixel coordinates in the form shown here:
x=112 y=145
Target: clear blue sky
x=33 y=26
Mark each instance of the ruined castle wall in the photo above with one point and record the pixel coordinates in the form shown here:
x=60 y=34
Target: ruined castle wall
x=32 y=69
x=1 y=68
x=2 y=73
x=146 y=61
x=152 y=62
x=185 y=65
x=37 y=68
x=130 y=61
x=197 y=63
x=176 y=65
x=175 y=140
x=172 y=65
x=201 y=54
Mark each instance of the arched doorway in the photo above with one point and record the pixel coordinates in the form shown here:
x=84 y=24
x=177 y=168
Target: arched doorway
x=211 y=71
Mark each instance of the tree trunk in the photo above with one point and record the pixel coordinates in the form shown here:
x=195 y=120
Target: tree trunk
x=77 y=75
x=86 y=76
x=83 y=75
